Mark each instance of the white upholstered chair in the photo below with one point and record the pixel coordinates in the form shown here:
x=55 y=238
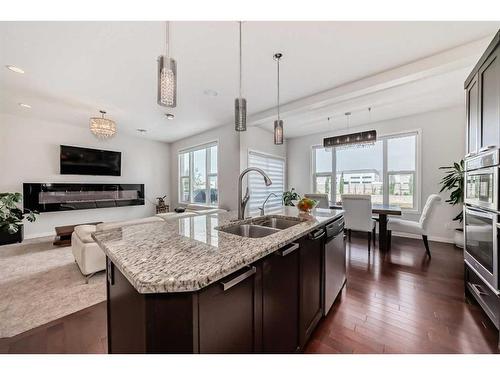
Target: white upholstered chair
x=416 y=227
x=321 y=198
x=358 y=215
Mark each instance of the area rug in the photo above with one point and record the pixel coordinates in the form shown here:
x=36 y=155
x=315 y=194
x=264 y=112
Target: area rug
x=40 y=283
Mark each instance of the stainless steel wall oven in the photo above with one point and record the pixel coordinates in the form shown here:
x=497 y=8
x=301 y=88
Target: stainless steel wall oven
x=481 y=216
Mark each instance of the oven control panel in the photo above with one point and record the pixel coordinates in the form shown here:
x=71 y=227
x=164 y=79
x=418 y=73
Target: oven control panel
x=483 y=160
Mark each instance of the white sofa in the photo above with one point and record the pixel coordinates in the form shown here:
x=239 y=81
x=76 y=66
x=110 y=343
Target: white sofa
x=89 y=256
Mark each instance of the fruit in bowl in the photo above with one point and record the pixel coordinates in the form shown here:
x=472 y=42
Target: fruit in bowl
x=306 y=204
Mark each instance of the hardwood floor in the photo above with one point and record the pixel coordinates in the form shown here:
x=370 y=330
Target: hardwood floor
x=399 y=302
x=403 y=302
x=81 y=332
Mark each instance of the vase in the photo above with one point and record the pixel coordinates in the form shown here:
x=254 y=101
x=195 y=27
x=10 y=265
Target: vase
x=8 y=238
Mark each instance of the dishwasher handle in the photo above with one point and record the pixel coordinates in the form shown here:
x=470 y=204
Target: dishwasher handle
x=316 y=235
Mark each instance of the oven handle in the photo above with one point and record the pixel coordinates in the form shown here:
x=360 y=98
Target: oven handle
x=477 y=288
x=480 y=213
x=479 y=171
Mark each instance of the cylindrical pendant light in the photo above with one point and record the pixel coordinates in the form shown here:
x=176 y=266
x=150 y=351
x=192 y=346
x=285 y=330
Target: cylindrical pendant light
x=167 y=76
x=240 y=103
x=278 y=124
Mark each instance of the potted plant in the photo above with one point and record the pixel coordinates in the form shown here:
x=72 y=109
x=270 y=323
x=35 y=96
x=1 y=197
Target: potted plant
x=453 y=182
x=11 y=218
x=289 y=196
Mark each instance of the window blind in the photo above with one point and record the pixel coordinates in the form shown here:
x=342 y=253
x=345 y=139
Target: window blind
x=275 y=169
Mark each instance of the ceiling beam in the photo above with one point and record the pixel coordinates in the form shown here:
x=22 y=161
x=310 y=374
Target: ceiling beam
x=447 y=61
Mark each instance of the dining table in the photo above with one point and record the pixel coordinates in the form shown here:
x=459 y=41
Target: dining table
x=382 y=210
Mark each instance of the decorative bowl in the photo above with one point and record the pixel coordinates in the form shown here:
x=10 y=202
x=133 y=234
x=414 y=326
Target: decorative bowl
x=306 y=205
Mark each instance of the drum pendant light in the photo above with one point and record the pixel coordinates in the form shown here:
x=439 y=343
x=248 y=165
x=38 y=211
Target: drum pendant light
x=278 y=124
x=167 y=75
x=240 y=103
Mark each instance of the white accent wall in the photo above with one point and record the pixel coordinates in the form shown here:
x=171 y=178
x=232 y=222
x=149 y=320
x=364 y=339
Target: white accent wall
x=228 y=169
x=260 y=140
x=442 y=143
x=29 y=152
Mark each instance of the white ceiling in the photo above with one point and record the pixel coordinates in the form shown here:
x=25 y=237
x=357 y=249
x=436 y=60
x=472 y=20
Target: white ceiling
x=73 y=69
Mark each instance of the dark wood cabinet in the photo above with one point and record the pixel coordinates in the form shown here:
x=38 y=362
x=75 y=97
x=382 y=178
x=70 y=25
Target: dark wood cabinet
x=483 y=108
x=280 y=300
x=310 y=275
x=482 y=88
x=489 y=87
x=472 y=100
x=270 y=306
x=229 y=312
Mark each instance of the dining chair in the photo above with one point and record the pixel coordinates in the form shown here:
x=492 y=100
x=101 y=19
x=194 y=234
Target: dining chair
x=358 y=215
x=321 y=198
x=416 y=227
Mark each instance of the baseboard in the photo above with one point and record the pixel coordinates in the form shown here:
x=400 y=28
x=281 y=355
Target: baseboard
x=38 y=235
x=431 y=238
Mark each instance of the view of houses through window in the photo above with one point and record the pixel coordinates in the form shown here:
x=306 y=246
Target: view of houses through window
x=385 y=170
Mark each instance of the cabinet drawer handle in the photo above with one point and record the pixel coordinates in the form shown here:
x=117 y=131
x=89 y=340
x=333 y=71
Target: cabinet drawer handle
x=238 y=279
x=290 y=249
x=477 y=288
x=317 y=235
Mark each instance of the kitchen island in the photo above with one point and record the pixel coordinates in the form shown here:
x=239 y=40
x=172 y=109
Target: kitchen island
x=194 y=285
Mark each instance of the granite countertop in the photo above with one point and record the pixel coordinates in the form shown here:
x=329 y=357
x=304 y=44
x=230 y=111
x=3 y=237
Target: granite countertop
x=188 y=254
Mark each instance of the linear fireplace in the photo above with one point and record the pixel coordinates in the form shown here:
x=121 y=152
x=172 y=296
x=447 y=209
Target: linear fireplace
x=47 y=197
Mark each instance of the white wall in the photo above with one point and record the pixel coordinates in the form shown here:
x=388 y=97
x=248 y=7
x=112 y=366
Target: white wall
x=29 y=152
x=442 y=143
x=257 y=139
x=260 y=140
x=228 y=163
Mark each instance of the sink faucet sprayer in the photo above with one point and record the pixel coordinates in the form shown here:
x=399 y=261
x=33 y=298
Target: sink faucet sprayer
x=242 y=203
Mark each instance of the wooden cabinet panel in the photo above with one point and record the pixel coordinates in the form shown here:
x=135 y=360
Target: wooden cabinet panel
x=227 y=314
x=472 y=94
x=280 y=300
x=311 y=249
x=489 y=85
x=126 y=314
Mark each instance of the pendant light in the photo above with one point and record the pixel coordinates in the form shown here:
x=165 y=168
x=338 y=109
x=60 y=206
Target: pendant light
x=167 y=75
x=278 y=124
x=240 y=103
x=102 y=127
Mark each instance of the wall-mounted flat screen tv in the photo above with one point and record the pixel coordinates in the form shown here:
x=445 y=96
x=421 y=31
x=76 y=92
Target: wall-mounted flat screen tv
x=88 y=161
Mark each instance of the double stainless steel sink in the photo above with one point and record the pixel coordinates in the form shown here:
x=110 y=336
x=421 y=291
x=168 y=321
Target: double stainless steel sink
x=260 y=227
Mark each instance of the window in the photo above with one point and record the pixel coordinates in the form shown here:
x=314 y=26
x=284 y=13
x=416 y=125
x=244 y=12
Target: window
x=198 y=175
x=387 y=171
x=275 y=169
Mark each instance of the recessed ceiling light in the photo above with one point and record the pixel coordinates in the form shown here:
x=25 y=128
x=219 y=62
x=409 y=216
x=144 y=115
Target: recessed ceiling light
x=169 y=116
x=210 y=92
x=24 y=105
x=14 y=69
x=142 y=131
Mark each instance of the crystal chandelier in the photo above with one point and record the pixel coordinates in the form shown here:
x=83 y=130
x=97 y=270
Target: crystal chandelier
x=278 y=124
x=240 y=105
x=102 y=127
x=167 y=76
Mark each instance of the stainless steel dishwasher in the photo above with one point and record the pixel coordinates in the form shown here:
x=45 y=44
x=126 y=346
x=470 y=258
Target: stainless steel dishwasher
x=334 y=262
